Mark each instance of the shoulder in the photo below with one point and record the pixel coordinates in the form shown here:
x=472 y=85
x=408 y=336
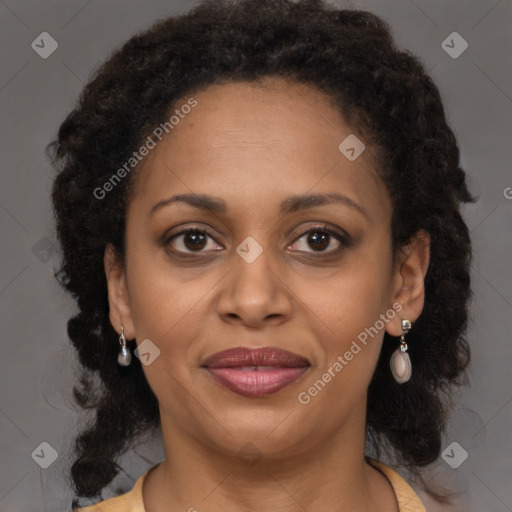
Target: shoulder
x=408 y=500
x=128 y=502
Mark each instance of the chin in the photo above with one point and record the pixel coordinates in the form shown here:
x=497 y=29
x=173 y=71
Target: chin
x=272 y=433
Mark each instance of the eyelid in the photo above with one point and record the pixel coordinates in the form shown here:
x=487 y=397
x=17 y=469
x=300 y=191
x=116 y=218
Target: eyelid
x=194 y=228
x=339 y=234
x=329 y=228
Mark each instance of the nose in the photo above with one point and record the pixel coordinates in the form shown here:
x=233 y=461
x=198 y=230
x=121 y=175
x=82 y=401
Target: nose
x=255 y=294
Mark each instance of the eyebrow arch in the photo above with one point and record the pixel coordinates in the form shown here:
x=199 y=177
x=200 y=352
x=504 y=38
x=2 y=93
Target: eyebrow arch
x=295 y=203
x=289 y=205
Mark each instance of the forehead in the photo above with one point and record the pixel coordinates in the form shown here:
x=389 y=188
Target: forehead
x=259 y=141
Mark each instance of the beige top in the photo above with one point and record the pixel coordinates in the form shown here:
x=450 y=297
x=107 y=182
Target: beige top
x=407 y=499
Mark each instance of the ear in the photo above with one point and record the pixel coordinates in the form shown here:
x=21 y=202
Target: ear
x=118 y=298
x=408 y=287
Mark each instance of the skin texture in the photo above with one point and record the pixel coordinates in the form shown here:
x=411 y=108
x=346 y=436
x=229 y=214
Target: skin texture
x=254 y=145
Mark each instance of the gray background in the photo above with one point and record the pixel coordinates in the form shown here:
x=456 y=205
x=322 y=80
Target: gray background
x=37 y=363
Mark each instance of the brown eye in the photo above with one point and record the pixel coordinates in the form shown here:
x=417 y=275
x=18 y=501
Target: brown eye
x=319 y=239
x=190 y=240
x=193 y=240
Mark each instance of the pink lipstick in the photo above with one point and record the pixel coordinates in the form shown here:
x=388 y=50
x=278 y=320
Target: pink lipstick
x=256 y=372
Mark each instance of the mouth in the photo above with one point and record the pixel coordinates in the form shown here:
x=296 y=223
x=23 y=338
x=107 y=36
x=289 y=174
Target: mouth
x=256 y=372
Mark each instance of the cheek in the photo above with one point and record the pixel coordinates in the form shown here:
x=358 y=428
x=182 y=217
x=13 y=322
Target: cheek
x=171 y=308
x=349 y=308
x=350 y=350
x=163 y=298
x=352 y=298
x=166 y=311
x=352 y=347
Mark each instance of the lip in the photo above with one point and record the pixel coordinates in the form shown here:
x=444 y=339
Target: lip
x=256 y=372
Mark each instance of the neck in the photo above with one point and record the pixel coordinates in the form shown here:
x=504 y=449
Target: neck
x=330 y=475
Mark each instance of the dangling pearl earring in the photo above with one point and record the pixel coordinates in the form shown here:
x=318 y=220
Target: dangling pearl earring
x=125 y=356
x=400 y=362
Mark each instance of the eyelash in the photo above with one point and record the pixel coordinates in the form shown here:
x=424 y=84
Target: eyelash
x=344 y=239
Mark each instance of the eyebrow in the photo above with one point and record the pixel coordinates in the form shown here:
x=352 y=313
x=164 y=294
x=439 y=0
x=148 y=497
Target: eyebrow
x=290 y=205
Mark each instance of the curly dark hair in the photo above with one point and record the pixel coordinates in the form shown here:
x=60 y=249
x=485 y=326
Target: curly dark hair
x=384 y=94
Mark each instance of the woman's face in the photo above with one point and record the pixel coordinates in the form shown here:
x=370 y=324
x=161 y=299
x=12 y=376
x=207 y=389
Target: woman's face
x=262 y=274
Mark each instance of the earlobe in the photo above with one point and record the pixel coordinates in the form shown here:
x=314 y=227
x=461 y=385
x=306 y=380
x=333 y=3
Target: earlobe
x=119 y=306
x=409 y=281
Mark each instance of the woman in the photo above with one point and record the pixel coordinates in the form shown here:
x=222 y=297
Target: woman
x=258 y=206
